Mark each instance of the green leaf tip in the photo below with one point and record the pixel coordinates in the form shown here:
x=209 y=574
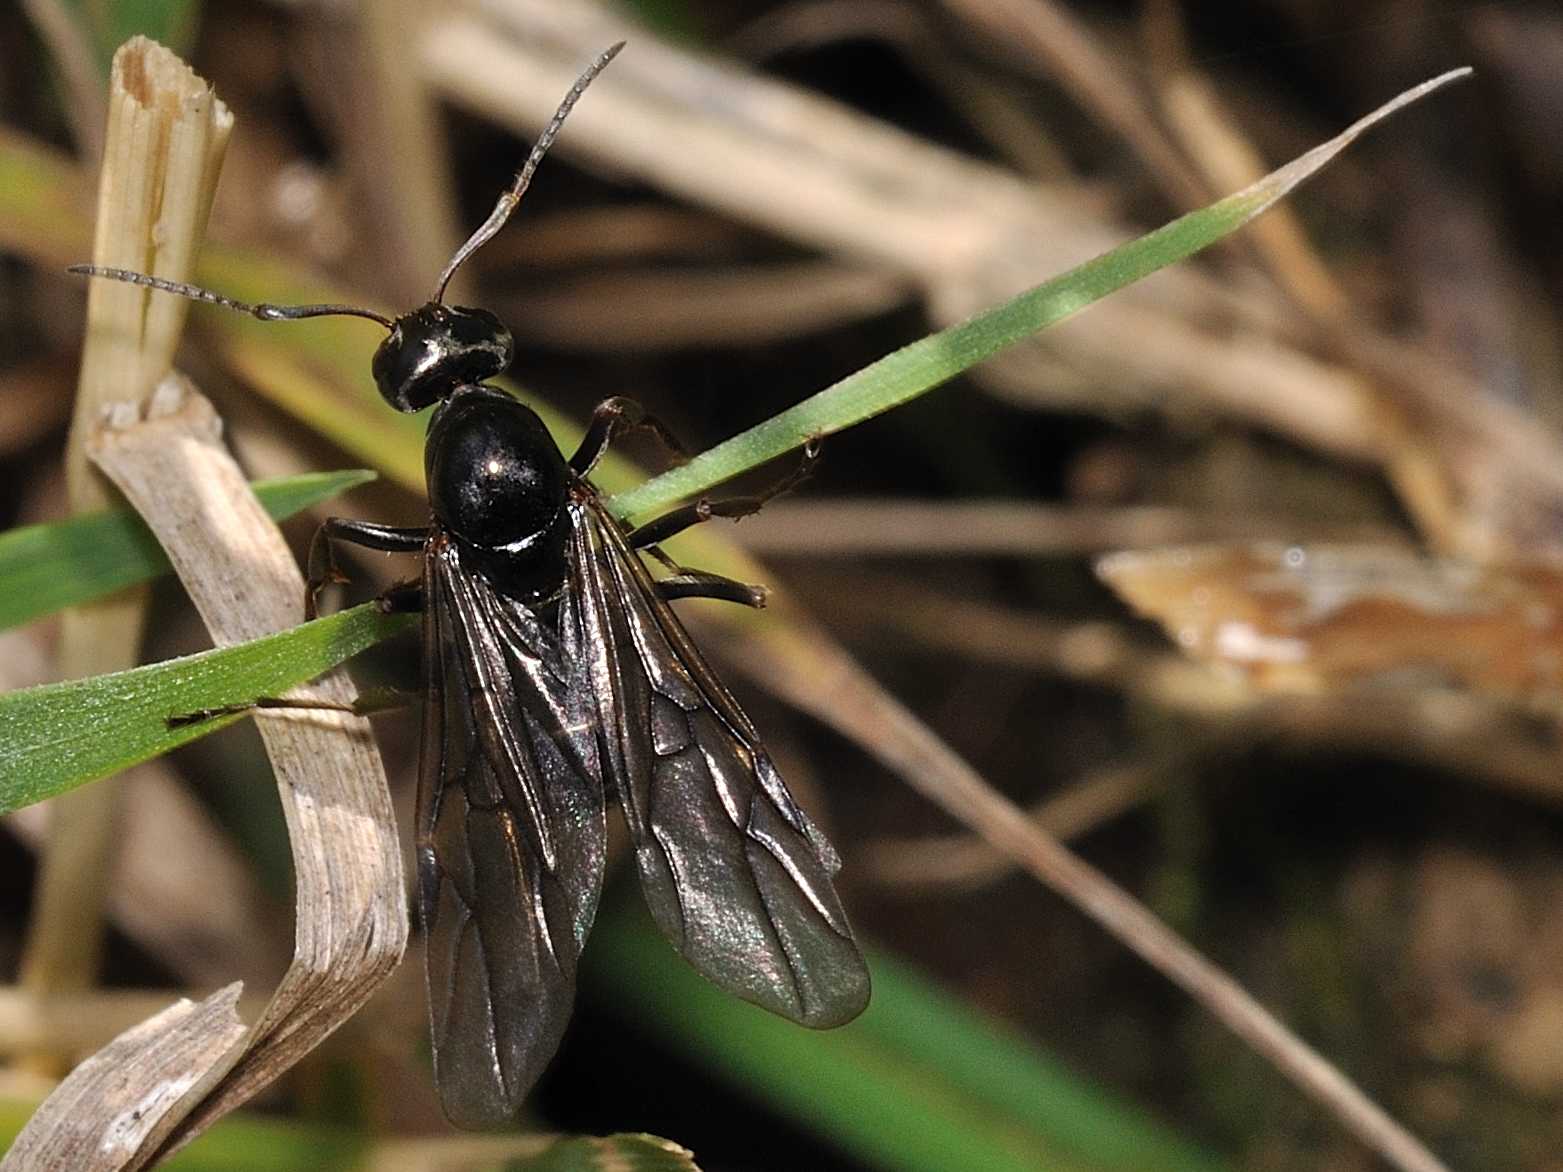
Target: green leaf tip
x=932 y=361
x=47 y=567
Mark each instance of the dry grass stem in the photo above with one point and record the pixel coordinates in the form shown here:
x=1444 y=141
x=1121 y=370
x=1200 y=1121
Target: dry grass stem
x=1459 y=734
x=83 y=1021
x=967 y=861
x=112 y=1106
x=164 y=145
x=72 y=52
x=989 y=104
x=390 y=138
x=899 y=527
x=595 y=236
x=1034 y=34
x=675 y=309
x=167 y=136
x=351 y=926
x=351 y=923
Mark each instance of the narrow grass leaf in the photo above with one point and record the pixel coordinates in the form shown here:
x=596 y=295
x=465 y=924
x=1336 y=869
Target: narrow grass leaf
x=58 y=736
x=45 y=568
x=928 y=1028
x=923 y=365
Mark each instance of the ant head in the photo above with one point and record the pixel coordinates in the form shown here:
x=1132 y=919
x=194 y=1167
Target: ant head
x=437 y=348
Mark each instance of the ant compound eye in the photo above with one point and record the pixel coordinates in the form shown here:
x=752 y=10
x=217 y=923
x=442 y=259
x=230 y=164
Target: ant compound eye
x=436 y=349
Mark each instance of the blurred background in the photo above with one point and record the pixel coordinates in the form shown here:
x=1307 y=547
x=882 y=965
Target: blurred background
x=1310 y=718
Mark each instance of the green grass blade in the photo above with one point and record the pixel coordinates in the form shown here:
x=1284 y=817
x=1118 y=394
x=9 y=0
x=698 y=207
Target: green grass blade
x=929 y=362
x=60 y=735
x=919 y=1082
x=923 y=365
x=924 y=1026
x=44 y=568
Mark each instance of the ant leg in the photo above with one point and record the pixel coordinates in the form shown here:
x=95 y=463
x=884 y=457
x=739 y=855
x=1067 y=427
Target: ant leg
x=700 y=584
x=402 y=598
x=686 y=583
x=323 y=569
x=659 y=529
x=611 y=418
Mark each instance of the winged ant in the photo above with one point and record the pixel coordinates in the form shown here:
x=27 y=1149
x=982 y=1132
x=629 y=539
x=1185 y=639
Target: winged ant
x=556 y=674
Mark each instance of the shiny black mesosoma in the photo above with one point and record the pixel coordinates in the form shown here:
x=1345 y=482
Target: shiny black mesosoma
x=556 y=675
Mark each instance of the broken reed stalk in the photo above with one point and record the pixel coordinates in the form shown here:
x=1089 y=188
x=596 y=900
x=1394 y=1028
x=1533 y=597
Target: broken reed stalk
x=166 y=136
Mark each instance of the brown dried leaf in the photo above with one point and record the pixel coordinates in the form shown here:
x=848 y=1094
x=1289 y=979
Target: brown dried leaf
x=111 y=1106
x=1316 y=618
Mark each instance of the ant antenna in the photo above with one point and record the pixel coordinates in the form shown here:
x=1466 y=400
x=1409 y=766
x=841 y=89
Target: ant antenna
x=263 y=311
x=512 y=195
